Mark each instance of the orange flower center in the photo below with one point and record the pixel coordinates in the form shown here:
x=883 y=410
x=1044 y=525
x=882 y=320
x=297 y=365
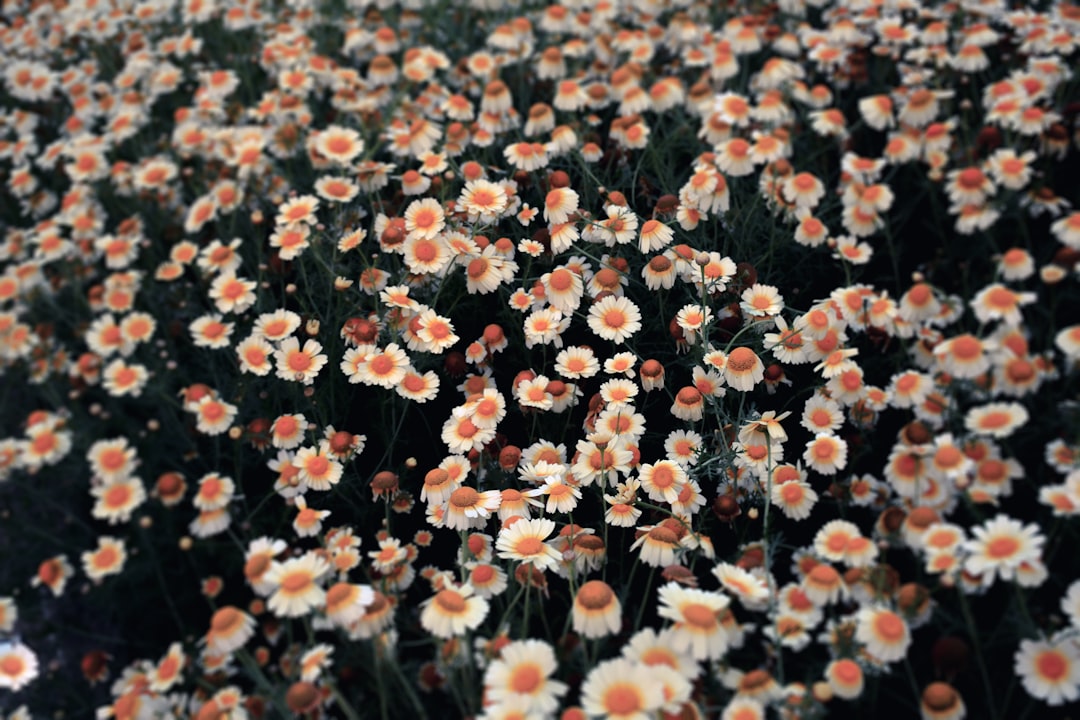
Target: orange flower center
x=1002 y=547
x=698 y=615
x=622 y=699
x=296 y=582
x=450 y=601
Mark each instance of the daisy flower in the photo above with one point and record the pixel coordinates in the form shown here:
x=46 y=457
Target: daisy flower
x=941 y=701
x=435 y=331
x=751 y=590
x=107 y=559
x=339 y=144
x=845 y=678
x=453 y=611
x=230 y=629
x=1001 y=545
x=563 y=289
x=562 y=497
x=483 y=200
x=544 y=327
x=384 y=368
x=743 y=369
x=761 y=301
x=53 y=573
x=231 y=293
x=424 y=219
x=559 y=204
x=662 y=480
x=18 y=666
x=461 y=434
x=654 y=236
x=299 y=364
x=287 y=432
x=298 y=209
x=297 y=585
x=210 y=332
x=1049 y=670
x=276 y=325
x=576 y=363
x=254 y=355
x=120 y=378
x=795 y=498
x=523 y=541
x=622 y=690
x=116 y=500
x=884 y=633
x=523 y=672
x=317 y=468
x=997 y=302
x=308 y=521
x=112 y=460
x=167 y=671
x=467 y=509
x=853 y=251
x=290 y=241
x=426 y=256
x=614 y=318
x=997 y=420
x=597 y=611
x=696 y=615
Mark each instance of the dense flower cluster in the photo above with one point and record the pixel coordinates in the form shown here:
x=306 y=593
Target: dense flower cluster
x=600 y=359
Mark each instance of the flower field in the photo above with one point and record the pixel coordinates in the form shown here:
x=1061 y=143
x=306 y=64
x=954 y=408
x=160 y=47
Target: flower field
x=513 y=360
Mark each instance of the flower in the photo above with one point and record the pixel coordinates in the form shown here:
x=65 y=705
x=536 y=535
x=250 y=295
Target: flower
x=750 y=589
x=230 y=629
x=18 y=666
x=795 y=498
x=213 y=416
x=576 y=363
x=941 y=701
x=743 y=369
x=845 y=678
x=761 y=301
x=232 y=294
x=276 y=325
x=385 y=368
x=346 y=602
x=597 y=611
x=884 y=633
x=299 y=364
x=483 y=200
x=466 y=508
x=119 y=378
x=614 y=318
x=116 y=500
x=523 y=541
x=621 y=689
x=1049 y=669
x=1001 y=545
x=826 y=453
x=453 y=611
x=997 y=302
x=662 y=480
x=689 y=403
x=696 y=614
x=107 y=559
x=254 y=354
x=997 y=420
x=112 y=460
x=523 y=672
x=317 y=468
x=167 y=671
x=297 y=589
